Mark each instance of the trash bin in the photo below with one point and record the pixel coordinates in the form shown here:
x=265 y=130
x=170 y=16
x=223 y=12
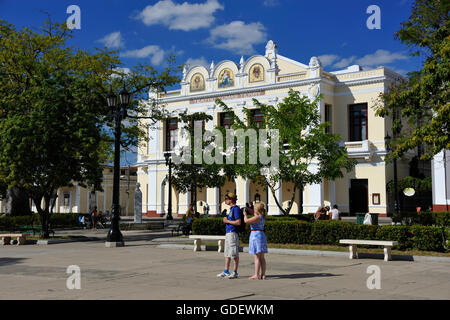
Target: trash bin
x=374 y=217
x=360 y=218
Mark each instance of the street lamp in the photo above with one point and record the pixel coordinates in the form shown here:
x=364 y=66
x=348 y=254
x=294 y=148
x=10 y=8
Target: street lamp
x=387 y=141
x=168 y=157
x=114 y=237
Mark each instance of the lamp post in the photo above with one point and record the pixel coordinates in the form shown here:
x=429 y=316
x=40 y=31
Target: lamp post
x=168 y=157
x=114 y=237
x=387 y=141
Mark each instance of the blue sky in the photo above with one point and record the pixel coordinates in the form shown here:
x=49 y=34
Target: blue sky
x=204 y=30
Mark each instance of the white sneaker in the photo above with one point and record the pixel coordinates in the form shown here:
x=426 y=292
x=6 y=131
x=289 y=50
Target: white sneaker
x=233 y=275
x=223 y=275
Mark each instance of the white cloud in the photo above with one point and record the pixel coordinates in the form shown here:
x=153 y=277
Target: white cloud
x=380 y=57
x=271 y=3
x=344 y=62
x=112 y=40
x=155 y=53
x=183 y=16
x=327 y=59
x=238 y=37
x=123 y=71
x=197 y=62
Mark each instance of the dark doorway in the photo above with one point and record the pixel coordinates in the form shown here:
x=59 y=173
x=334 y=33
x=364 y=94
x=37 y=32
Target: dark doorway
x=358 y=196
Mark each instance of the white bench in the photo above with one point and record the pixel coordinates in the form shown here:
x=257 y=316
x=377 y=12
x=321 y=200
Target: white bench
x=6 y=238
x=198 y=241
x=353 y=249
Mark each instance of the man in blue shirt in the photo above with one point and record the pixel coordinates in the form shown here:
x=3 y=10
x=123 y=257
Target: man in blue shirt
x=232 y=221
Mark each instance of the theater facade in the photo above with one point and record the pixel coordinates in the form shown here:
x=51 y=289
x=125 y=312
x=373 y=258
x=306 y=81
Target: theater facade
x=349 y=97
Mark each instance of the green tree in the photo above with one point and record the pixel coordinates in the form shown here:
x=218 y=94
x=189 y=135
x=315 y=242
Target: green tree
x=55 y=126
x=188 y=176
x=419 y=104
x=307 y=154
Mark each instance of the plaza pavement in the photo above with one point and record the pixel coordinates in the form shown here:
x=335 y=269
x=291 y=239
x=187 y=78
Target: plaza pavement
x=144 y=270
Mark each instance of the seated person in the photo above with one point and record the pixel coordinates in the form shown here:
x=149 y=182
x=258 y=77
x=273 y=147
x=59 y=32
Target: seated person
x=322 y=210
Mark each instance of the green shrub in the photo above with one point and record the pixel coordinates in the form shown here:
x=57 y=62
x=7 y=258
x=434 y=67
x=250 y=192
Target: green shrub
x=289 y=230
x=301 y=217
x=210 y=226
x=423 y=218
x=57 y=220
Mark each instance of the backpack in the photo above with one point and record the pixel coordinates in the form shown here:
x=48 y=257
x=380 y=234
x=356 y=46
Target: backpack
x=241 y=227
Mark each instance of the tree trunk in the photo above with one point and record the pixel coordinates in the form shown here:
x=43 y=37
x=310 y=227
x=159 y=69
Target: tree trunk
x=44 y=213
x=276 y=200
x=45 y=219
x=17 y=202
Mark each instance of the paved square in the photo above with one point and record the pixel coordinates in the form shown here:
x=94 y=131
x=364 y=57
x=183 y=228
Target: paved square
x=142 y=270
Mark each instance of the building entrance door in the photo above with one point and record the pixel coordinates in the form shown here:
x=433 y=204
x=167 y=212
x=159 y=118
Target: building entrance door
x=358 y=196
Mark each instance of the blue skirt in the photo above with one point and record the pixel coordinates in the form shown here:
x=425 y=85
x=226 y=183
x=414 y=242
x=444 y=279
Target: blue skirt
x=257 y=242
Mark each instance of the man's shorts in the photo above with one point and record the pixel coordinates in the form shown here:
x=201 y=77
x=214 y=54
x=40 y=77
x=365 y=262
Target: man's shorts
x=231 y=245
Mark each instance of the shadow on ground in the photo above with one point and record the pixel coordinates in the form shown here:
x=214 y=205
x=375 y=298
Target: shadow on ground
x=381 y=256
x=302 y=275
x=10 y=261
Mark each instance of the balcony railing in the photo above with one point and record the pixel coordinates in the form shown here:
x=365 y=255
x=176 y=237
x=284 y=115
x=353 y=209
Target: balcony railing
x=358 y=149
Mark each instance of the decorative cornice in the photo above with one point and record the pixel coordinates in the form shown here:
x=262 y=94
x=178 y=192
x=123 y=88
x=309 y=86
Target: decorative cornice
x=359 y=82
x=217 y=94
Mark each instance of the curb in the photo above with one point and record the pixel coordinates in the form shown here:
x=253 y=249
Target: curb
x=47 y=242
x=316 y=253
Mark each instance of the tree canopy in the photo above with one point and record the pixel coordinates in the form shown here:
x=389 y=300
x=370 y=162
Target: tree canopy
x=306 y=152
x=55 y=126
x=419 y=104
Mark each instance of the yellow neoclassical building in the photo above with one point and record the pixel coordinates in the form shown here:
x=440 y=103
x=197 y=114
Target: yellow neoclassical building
x=348 y=101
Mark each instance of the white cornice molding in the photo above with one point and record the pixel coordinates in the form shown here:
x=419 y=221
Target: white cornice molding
x=363 y=81
x=210 y=95
x=280 y=85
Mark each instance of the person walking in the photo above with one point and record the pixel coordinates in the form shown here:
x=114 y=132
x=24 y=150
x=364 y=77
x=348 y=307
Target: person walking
x=257 y=242
x=94 y=215
x=232 y=221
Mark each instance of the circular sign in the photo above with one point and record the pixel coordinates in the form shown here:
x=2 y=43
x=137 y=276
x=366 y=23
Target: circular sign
x=409 y=192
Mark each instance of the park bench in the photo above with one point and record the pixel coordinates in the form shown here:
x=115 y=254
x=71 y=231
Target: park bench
x=175 y=227
x=354 y=242
x=198 y=241
x=34 y=229
x=6 y=238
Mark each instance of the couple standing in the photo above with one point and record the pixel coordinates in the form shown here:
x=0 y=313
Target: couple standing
x=257 y=241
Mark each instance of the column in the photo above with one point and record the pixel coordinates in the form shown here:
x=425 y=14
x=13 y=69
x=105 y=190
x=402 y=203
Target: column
x=213 y=200
x=151 y=201
x=58 y=201
x=184 y=202
x=163 y=194
x=241 y=191
x=315 y=193
x=441 y=181
x=77 y=200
